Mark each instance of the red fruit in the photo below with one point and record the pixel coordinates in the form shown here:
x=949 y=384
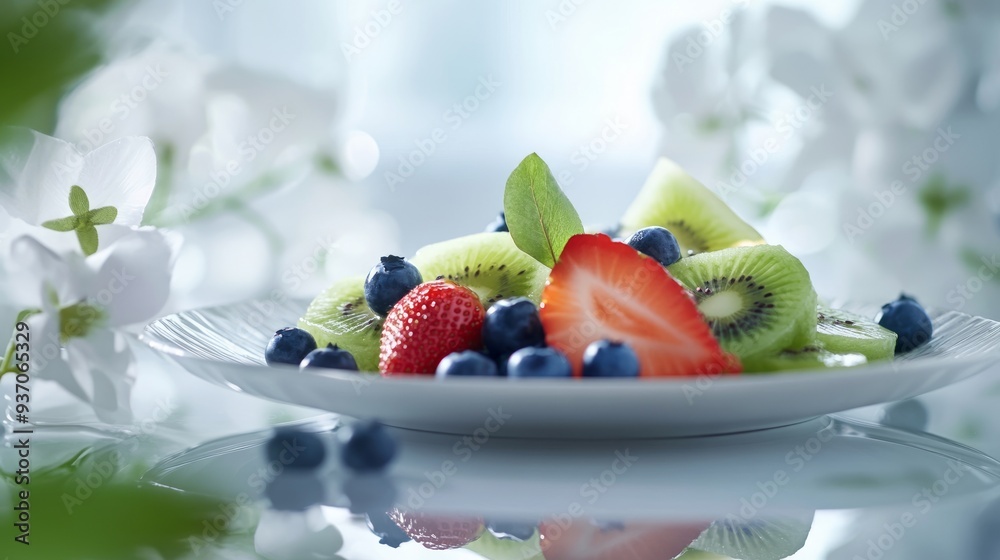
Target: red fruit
x=601 y=289
x=437 y=532
x=583 y=540
x=432 y=321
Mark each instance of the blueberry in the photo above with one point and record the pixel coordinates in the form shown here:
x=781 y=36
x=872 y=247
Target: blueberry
x=386 y=529
x=907 y=318
x=295 y=449
x=366 y=447
x=910 y=414
x=289 y=346
x=467 y=363
x=538 y=362
x=658 y=243
x=367 y=492
x=606 y=358
x=512 y=324
x=388 y=282
x=499 y=224
x=294 y=491
x=329 y=357
x=517 y=530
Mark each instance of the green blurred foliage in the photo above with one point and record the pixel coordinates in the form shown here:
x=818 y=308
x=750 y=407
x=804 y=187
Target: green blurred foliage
x=47 y=47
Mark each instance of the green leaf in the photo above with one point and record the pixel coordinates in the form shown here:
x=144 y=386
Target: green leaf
x=62 y=224
x=101 y=216
x=88 y=239
x=78 y=201
x=540 y=217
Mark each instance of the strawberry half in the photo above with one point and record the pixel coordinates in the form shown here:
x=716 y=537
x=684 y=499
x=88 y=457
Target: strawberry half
x=431 y=321
x=581 y=539
x=601 y=289
x=438 y=532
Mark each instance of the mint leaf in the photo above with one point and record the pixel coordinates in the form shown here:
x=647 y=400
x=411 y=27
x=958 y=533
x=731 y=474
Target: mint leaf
x=539 y=216
x=87 y=235
x=78 y=201
x=62 y=224
x=101 y=216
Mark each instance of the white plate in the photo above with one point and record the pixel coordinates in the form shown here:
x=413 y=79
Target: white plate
x=225 y=345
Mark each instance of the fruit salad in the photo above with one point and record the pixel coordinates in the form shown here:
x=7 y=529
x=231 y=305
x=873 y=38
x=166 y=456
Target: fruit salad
x=683 y=287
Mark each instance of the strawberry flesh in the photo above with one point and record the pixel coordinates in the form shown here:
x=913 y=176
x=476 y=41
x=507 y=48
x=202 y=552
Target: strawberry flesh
x=602 y=289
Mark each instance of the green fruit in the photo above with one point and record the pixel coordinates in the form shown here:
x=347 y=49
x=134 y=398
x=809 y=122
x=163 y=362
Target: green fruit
x=489 y=546
x=487 y=263
x=698 y=218
x=841 y=332
x=339 y=315
x=810 y=357
x=758 y=300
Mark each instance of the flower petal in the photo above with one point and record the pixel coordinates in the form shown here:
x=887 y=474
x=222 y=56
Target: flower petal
x=104 y=362
x=121 y=174
x=133 y=276
x=36 y=173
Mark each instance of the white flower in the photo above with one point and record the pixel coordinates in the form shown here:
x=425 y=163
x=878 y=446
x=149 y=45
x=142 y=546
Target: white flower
x=38 y=174
x=80 y=304
x=222 y=132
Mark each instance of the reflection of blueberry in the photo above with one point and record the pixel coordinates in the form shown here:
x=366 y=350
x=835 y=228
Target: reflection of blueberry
x=294 y=491
x=386 y=529
x=295 y=449
x=367 y=446
x=986 y=533
x=369 y=492
x=517 y=530
x=910 y=414
x=608 y=525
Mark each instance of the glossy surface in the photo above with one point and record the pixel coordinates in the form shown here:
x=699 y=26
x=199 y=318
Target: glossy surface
x=222 y=345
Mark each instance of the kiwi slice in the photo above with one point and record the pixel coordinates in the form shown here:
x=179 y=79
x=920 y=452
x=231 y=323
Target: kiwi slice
x=810 y=357
x=758 y=300
x=759 y=538
x=841 y=332
x=487 y=263
x=698 y=218
x=339 y=315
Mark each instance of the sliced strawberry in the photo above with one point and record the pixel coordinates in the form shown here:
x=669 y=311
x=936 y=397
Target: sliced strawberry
x=601 y=289
x=438 y=532
x=581 y=539
x=431 y=321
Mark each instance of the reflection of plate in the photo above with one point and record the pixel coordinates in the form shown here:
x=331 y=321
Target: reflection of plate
x=225 y=346
x=822 y=464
